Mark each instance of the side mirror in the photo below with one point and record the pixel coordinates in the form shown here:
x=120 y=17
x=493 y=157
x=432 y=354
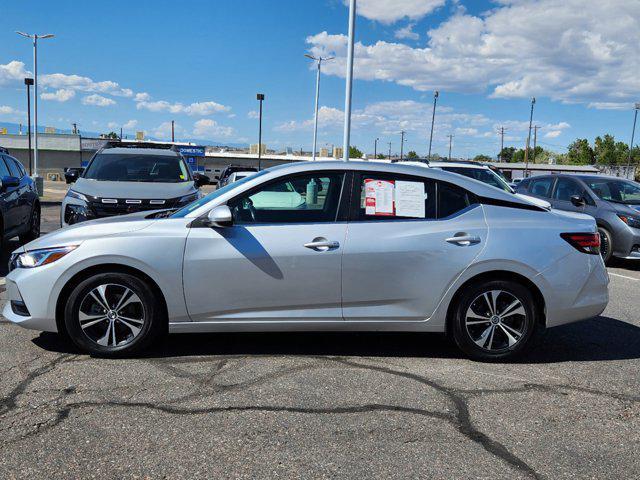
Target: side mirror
x=200 y=180
x=70 y=176
x=9 y=181
x=219 y=217
x=578 y=201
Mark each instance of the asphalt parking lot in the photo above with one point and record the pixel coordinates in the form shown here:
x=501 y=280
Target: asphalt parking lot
x=327 y=405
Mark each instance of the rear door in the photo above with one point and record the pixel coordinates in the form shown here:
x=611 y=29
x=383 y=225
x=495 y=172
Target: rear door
x=10 y=196
x=541 y=187
x=23 y=190
x=399 y=262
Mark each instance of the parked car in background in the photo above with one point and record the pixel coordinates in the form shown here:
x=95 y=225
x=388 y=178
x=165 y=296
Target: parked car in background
x=71 y=174
x=19 y=204
x=613 y=202
x=382 y=247
x=235 y=176
x=229 y=169
x=125 y=178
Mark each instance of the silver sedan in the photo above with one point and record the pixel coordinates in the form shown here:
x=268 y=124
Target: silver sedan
x=322 y=246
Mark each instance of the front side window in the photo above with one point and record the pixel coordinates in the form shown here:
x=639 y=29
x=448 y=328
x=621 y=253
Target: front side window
x=306 y=198
x=567 y=188
x=13 y=168
x=618 y=191
x=129 y=167
x=541 y=187
x=4 y=171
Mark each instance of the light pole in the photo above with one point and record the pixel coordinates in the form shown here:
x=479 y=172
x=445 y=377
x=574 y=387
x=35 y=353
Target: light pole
x=633 y=134
x=526 y=151
x=318 y=61
x=389 y=150
x=375 y=148
x=450 y=140
x=260 y=98
x=402 y=133
x=433 y=119
x=35 y=38
x=349 y=83
x=28 y=82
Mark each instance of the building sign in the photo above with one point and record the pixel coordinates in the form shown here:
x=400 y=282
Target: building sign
x=191 y=155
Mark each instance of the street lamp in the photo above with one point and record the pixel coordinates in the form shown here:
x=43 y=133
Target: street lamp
x=28 y=82
x=633 y=134
x=319 y=61
x=260 y=98
x=349 y=82
x=35 y=37
x=433 y=119
x=526 y=151
x=375 y=148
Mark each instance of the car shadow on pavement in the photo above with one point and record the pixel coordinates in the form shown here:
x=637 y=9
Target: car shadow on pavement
x=599 y=339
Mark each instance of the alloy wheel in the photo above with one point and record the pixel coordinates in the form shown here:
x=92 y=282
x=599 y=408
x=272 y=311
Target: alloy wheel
x=604 y=244
x=496 y=320
x=35 y=224
x=111 y=315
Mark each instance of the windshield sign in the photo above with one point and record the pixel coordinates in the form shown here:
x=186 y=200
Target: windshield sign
x=137 y=168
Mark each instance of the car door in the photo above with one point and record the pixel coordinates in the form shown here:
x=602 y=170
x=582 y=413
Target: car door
x=397 y=265
x=564 y=189
x=23 y=191
x=541 y=187
x=280 y=260
x=10 y=198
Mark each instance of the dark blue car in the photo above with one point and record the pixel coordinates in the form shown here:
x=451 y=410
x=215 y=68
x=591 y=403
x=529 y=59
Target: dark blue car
x=19 y=205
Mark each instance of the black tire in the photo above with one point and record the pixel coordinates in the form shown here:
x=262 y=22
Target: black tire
x=34 y=226
x=127 y=342
x=606 y=244
x=473 y=300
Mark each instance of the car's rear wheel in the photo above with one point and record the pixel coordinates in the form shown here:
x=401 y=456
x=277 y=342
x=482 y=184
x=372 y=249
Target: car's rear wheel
x=494 y=320
x=34 y=226
x=113 y=314
x=606 y=244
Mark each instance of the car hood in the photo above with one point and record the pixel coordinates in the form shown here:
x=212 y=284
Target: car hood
x=133 y=190
x=103 y=227
x=536 y=201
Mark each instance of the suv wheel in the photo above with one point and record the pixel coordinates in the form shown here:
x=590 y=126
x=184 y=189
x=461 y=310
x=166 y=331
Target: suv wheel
x=113 y=314
x=494 y=320
x=34 y=226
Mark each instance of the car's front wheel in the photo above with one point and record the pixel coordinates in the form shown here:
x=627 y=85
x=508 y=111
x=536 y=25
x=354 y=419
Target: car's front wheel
x=606 y=244
x=494 y=320
x=113 y=314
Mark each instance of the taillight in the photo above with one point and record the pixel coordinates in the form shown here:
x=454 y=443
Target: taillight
x=584 y=242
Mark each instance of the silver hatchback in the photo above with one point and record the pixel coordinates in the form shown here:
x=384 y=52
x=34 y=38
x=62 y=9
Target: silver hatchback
x=319 y=246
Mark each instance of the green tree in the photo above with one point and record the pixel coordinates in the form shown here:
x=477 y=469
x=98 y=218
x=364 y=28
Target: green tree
x=580 y=152
x=112 y=135
x=506 y=154
x=482 y=158
x=605 y=150
x=354 y=152
x=381 y=156
x=412 y=155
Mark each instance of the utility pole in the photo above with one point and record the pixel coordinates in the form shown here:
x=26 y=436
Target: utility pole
x=173 y=132
x=349 y=82
x=120 y=133
x=75 y=128
x=375 y=148
x=633 y=134
x=260 y=98
x=28 y=82
x=535 y=141
x=319 y=61
x=433 y=119
x=402 y=133
x=500 y=156
x=450 y=139
x=389 y=150
x=526 y=150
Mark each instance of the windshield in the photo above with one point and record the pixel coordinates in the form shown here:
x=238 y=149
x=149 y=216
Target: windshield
x=484 y=175
x=618 y=191
x=116 y=167
x=186 y=210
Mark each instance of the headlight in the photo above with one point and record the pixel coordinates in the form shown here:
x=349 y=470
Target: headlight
x=189 y=198
x=43 y=256
x=77 y=195
x=630 y=220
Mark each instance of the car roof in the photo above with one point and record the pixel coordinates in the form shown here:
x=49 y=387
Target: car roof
x=458 y=165
x=156 y=152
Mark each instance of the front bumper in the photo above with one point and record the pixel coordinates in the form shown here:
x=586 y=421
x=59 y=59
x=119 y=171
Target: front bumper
x=626 y=243
x=39 y=317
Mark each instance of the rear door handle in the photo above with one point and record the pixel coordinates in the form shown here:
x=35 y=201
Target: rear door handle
x=322 y=244
x=464 y=240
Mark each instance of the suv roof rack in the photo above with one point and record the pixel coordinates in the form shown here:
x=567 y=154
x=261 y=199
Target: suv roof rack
x=4 y=150
x=120 y=144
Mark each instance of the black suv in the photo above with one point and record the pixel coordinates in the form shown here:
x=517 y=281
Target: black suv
x=19 y=205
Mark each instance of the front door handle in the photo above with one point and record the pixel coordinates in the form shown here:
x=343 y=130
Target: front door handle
x=464 y=240
x=322 y=244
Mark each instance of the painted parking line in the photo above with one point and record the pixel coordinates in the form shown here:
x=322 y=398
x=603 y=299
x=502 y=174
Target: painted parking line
x=624 y=276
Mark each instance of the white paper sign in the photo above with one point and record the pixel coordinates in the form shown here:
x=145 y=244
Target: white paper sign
x=410 y=199
x=378 y=197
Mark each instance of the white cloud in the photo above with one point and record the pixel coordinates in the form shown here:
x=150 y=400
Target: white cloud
x=13 y=71
x=553 y=134
x=196 y=109
x=97 y=100
x=567 y=50
x=61 y=95
x=407 y=33
x=163 y=131
x=130 y=124
x=142 y=97
x=84 y=84
x=207 y=127
x=253 y=114
x=113 y=125
x=387 y=11
x=6 y=110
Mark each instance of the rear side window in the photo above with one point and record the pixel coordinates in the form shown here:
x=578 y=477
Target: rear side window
x=382 y=196
x=541 y=187
x=4 y=171
x=13 y=168
x=23 y=172
x=451 y=200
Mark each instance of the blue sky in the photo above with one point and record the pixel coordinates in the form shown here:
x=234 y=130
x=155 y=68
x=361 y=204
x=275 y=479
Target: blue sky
x=200 y=63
